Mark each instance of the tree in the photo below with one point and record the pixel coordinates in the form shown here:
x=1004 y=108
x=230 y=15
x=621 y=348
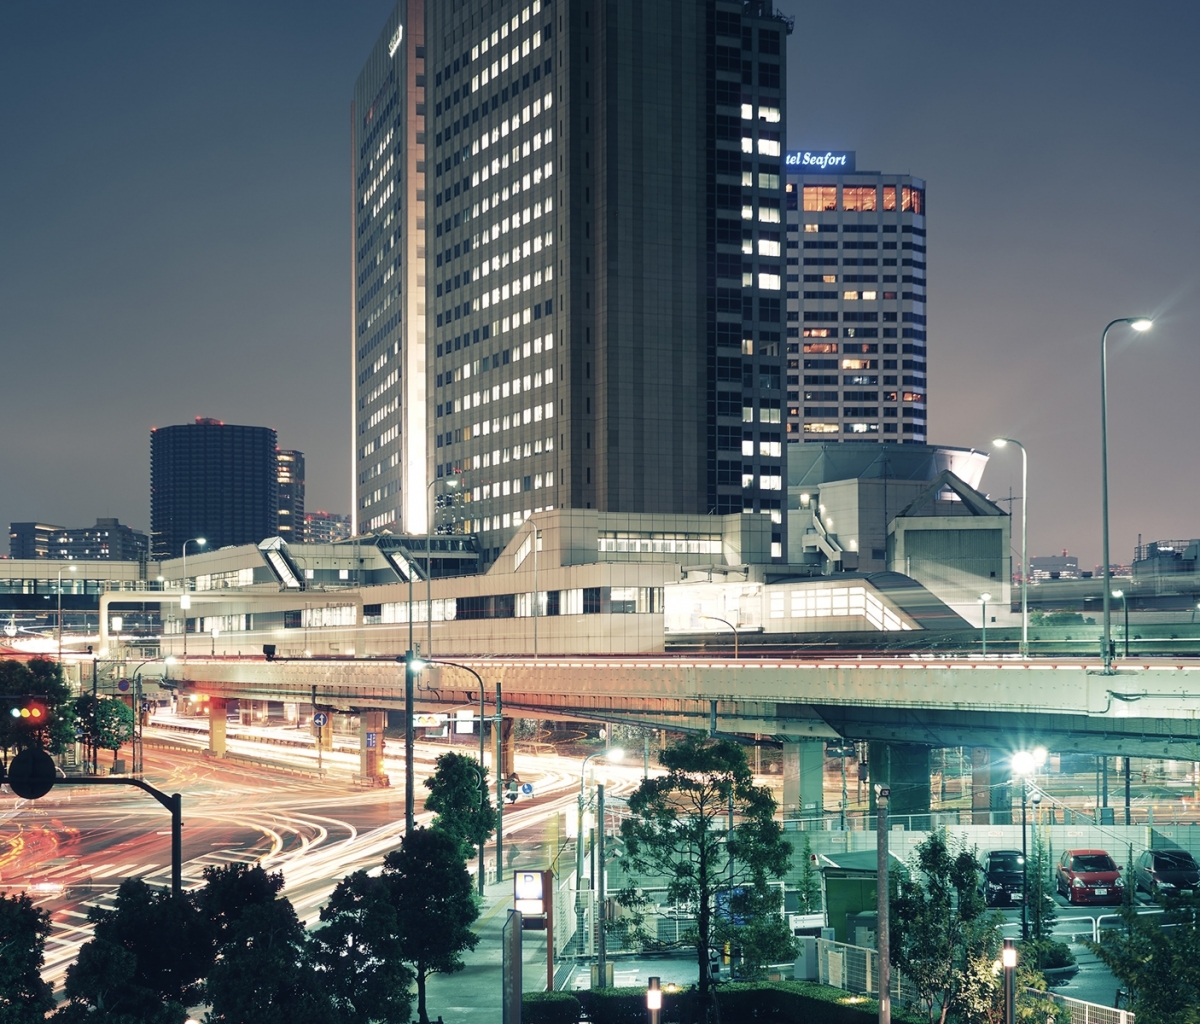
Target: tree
x=940 y=923
x=107 y=722
x=678 y=827
x=981 y=996
x=144 y=960
x=24 y=997
x=358 y=955
x=810 y=881
x=1045 y=951
x=1157 y=958
x=458 y=795
x=37 y=677
x=261 y=973
x=430 y=889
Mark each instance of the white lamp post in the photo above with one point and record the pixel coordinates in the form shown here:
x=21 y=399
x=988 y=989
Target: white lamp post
x=1002 y=442
x=185 y=601
x=983 y=600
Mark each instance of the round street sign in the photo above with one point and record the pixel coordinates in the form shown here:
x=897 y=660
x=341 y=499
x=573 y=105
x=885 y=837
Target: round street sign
x=320 y=718
x=123 y=685
x=31 y=774
x=527 y=788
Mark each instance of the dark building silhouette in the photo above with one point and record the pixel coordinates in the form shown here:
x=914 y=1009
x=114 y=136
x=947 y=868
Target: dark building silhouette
x=213 y=480
x=291 y=495
x=107 y=541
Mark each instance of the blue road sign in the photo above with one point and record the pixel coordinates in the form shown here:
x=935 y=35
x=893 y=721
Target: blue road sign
x=320 y=718
x=123 y=685
x=527 y=788
x=371 y=740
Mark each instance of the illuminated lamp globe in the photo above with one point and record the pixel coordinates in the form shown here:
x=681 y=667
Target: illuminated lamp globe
x=1143 y=324
x=1024 y=762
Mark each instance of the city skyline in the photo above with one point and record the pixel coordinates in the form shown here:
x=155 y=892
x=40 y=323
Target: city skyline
x=206 y=244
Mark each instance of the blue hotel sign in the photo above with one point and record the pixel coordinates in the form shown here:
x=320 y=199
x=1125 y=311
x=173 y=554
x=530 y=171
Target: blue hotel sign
x=812 y=161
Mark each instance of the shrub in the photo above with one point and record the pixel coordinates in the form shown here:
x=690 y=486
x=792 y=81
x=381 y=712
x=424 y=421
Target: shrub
x=550 y=1008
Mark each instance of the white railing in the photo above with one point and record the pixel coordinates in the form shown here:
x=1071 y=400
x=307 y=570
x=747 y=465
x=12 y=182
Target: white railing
x=1079 y=1012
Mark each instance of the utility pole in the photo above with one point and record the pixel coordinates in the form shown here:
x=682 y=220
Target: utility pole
x=498 y=743
x=882 y=937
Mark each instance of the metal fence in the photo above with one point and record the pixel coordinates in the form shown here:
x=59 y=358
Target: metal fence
x=1079 y=1012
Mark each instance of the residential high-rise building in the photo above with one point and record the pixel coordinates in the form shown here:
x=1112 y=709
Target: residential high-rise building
x=108 y=541
x=387 y=137
x=856 y=345
x=605 y=223
x=325 y=527
x=213 y=480
x=290 y=467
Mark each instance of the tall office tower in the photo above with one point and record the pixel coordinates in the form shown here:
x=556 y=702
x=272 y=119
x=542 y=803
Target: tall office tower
x=856 y=302
x=387 y=133
x=325 y=527
x=605 y=203
x=213 y=480
x=290 y=467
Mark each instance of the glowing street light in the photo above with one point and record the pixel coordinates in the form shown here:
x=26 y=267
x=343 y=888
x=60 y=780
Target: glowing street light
x=1024 y=763
x=1139 y=324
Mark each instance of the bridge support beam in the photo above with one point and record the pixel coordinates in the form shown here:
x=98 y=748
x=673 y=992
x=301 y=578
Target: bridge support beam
x=217 y=710
x=803 y=778
x=370 y=747
x=905 y=768
x=991 y=795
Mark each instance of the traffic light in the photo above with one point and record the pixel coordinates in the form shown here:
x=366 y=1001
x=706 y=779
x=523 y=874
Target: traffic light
x=30 y=712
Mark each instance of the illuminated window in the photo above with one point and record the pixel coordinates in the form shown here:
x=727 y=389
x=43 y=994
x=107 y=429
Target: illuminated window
x=850 y=295
x=913 y=396
x=912 y=200
x=868 y=296
x=820 y=428
x=767 y=247
x=829 y=279
x=859 y=197
x=889 y=197
x=858 y=364
x=769 y=282
x=770 y=114
x=820 y=346
x=811 y=229
x=769 y=147
x=768 y=180
x=820 y=197
x=820 y=332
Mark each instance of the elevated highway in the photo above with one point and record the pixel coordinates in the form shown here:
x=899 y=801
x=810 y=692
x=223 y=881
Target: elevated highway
x=1146 y=709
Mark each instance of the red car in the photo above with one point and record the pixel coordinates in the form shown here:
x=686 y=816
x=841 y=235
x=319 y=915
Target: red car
x=1089 y=876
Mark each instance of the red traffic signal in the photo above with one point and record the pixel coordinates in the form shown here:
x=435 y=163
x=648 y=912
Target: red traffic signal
x=29 y=712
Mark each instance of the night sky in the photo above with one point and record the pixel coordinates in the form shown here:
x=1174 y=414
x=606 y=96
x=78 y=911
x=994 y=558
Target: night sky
x=174 y=238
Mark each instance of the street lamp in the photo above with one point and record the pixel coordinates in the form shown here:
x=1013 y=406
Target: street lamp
x=1008 y=960
x=1138 y=323
x=60 y=572
x=654 y=999
x=983 y=600
x=185 y=601
x=717 y=618
x=615 y=755
x=482 y=786
x=412 y=666
x=451 y=485
x=1125 y=609
x=1025 y=763
x=1002 y=442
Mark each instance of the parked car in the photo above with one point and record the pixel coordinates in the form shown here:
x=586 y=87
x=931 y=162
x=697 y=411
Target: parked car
x=1003 y=877
x=1089 y=876
x=1166 y=869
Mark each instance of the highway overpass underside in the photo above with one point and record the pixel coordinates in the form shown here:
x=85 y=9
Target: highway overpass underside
x=903 y=709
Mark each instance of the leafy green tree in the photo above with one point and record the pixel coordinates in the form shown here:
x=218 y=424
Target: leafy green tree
x=106 y=721
x=810 y=882
x=678 y=828
x=430 y=889
x=1157 y=959
x=37 y=677
x=981 y=995
x=458 y=796
x=261 y=973
x=1043 y=949
x=24 y=997
x=144 y=961
x=358 y=955
x=940 y=923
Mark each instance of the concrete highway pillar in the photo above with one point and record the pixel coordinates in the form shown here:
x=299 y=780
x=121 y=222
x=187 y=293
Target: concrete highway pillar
x=803 y=778
x=370 y=746
x=905 y=768
x=217 y=710
x=991 y=795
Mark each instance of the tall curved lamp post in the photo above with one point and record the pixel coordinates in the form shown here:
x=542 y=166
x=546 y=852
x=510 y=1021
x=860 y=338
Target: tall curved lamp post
x=1002 y=442
x=1140 y=324
x=185 y=600
x=717 y=618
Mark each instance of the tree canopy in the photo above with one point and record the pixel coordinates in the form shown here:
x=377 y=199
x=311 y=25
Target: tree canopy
x=678 y=828
x=24 y=997
x=458 y=796
x=38 y=677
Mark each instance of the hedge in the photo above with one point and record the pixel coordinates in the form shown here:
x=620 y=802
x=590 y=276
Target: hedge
x=782 y=1001
x=550 y=1008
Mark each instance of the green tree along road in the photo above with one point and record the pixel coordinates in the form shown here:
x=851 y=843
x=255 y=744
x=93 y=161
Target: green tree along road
x=678 y=827
x=24 y=997
x=435 y=905
x=42 y=678
x=458 y=795
x=107 y=722
x=1157 y=958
